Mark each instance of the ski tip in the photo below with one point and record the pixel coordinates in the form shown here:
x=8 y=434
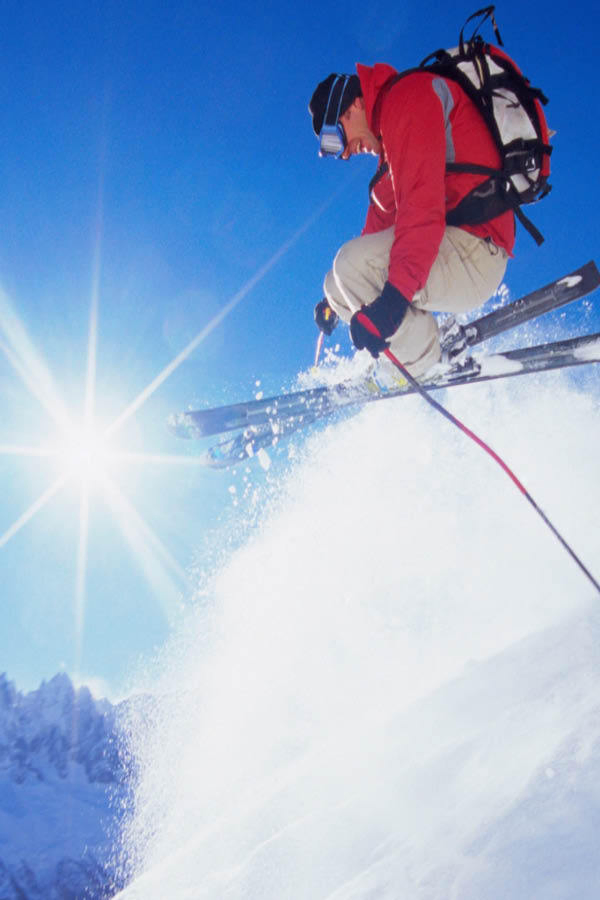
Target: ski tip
x=590 y=274
x=224 y=455
x=214 y=461
x=182 y=426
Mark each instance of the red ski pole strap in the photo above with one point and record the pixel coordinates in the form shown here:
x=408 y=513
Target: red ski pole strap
x=370 y=326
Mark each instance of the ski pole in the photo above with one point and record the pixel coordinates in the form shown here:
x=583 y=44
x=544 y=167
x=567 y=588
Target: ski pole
x=320 y=340
x=327 y=314
x=366 y=323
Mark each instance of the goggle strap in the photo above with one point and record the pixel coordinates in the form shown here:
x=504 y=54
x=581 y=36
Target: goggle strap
x=342 y=92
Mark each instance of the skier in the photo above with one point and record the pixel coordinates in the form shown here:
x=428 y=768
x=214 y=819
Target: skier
x=408 y=261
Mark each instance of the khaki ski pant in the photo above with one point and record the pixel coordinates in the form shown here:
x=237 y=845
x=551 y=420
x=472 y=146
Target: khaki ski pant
x=465 y=273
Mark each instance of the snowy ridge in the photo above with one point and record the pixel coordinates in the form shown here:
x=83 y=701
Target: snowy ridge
x=62 y=789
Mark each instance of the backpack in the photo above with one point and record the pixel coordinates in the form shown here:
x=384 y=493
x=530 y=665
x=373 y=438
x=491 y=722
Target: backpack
x=512 y=110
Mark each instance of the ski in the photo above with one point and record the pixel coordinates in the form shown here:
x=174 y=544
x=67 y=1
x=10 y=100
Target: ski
x=299 y=404
x=542 y=358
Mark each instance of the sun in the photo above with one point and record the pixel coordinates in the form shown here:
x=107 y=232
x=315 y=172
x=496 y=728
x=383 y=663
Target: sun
x=84 y=454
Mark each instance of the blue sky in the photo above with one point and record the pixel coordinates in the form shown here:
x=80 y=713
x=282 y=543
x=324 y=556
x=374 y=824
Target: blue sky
x=154 y=158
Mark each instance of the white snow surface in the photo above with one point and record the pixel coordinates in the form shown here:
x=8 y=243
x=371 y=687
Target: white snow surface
x=498 y=364
x=589 y=351
x=392 y=689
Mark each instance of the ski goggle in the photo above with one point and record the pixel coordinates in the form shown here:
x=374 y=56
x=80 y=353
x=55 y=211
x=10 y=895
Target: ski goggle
x=332 y=137
x=332 y=140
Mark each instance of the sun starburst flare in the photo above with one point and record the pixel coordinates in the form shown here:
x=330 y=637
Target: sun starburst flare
x=85 y=454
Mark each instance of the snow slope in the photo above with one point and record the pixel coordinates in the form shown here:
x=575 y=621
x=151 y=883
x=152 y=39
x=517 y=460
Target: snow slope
x=62 y=783
x=391 y=690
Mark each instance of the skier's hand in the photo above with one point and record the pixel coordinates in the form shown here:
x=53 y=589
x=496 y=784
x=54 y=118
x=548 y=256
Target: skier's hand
x=325 y=317
x=386 y=313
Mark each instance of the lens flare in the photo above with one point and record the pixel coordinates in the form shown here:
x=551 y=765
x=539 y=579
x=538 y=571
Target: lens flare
x=82 y=456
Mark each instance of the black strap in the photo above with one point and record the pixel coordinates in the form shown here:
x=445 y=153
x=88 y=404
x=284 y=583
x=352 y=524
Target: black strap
x=471 y=169
x=486 y=13
x=529 y=226
x=381 y=171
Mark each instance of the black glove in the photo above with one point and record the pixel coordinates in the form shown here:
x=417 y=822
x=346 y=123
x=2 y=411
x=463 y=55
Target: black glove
x=325 y=317
x=386 y=313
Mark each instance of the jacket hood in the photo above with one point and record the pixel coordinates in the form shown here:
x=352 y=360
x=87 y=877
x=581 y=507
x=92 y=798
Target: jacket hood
x=372 y=79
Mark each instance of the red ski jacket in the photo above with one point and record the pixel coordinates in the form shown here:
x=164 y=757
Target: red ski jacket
x=424 y=121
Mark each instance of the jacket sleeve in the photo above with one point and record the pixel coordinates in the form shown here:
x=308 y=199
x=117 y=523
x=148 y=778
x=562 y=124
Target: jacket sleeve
x=413 y=132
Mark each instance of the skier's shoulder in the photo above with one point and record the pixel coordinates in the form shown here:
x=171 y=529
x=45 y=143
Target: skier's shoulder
x=413 y=91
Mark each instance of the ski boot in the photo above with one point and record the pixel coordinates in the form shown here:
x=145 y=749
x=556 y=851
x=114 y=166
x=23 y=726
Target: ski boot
x=454 y=341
